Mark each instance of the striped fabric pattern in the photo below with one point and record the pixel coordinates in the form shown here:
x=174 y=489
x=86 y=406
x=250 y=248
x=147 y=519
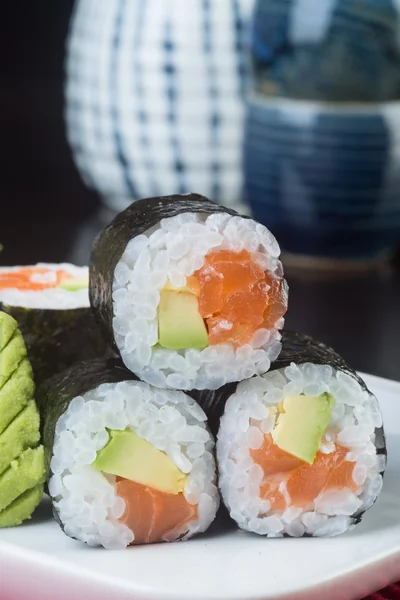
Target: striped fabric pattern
x=154 y=96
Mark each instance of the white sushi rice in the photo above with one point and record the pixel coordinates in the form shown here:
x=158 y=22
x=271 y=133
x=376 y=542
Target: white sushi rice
x=174 y=251
x=85 y=498
x=249 y=413
x=52 y=298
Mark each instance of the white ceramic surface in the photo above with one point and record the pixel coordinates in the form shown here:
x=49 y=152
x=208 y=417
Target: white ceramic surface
x=38 y=562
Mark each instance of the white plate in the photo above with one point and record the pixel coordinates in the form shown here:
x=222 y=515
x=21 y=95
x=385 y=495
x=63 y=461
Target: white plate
x=39 y=561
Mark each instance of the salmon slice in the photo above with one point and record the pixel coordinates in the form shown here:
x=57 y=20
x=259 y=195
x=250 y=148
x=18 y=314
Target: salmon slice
x=237 y=297
x=221 y=331
x=193 y=285
x=276 y=463
x=153 y=516
x=277 y=301
x=237 y=269
x=329 y=471
x=307 y=482
x=33 y=279
x=210 y=296
x=304 y=482
x=247 y=306
x=270 y=491
x=342 y=475
x=273 y=460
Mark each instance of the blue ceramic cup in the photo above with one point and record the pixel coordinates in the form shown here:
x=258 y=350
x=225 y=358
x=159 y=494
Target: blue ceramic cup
x=325 y=177
x=329 y=50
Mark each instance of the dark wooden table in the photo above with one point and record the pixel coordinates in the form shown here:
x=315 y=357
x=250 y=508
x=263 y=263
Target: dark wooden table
x=359 y=315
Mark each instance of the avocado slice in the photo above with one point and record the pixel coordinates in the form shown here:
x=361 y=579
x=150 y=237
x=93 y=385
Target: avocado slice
x=130 y=456
x=74 y=284
x=180 y=324
x=191 y=286
x=301 y=425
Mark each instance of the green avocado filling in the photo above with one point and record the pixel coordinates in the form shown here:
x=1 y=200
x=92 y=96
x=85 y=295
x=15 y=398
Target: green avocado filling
x=22 y=469
x=180 y=324
x=302 y=423
x=129 y=456
x=74 y=284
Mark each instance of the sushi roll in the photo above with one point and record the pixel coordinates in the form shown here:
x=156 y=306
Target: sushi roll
x=50 y=302
x=128 y=463
x=22 y=471
x=301 y=450
x=190 y=294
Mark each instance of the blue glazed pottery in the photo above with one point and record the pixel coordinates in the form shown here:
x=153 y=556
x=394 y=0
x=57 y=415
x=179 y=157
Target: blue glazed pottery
x=334 y=50
x=322 y=129
x=325 y=177
x=154 y=97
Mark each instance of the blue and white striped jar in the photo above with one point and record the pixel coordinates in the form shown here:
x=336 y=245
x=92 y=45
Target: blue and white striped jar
x=154 y=97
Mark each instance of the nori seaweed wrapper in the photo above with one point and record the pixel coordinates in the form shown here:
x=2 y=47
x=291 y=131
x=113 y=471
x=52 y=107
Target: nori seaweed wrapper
x=298 y=348
x=110 y=244
x=55 y=395
x=56 y=339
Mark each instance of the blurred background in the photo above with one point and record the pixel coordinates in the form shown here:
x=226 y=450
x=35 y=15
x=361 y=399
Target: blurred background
x=285 y=109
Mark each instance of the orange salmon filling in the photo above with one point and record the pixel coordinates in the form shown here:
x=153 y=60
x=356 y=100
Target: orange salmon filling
x=152 y=515
x=304 y=482
x=236 y=297
x=33 y=279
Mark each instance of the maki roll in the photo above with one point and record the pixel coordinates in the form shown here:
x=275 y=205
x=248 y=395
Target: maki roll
x=301 y=450
x=190 y=294
x=22 y=471
x=50 y=302
x=128 y=463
